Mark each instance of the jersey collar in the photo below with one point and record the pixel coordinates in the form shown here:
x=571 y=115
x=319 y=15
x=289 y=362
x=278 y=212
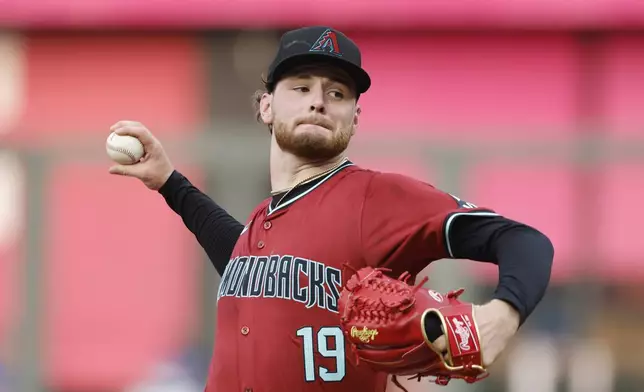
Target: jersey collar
x=302 y=190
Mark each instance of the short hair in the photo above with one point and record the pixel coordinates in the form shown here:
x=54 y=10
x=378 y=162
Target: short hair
x=257 y=99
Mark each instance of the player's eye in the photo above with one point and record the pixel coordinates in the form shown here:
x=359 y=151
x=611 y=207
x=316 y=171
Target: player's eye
x=337 y=94
x=302 y=89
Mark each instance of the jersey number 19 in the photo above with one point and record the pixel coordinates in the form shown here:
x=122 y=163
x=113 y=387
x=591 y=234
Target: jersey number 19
x=323 y=335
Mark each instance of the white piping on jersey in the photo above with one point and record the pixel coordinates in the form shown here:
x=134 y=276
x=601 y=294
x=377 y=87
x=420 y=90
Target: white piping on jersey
x=323 y=180
x=448 y=224
x=246 y=228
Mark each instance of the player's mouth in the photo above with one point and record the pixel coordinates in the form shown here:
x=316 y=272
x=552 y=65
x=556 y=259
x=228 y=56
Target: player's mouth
x=318 y=122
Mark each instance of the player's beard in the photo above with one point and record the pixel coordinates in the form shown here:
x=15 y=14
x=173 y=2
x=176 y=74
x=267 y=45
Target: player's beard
x=311 y=146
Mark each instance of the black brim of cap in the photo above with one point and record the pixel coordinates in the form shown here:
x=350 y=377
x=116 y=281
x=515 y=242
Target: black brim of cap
x=359 y=76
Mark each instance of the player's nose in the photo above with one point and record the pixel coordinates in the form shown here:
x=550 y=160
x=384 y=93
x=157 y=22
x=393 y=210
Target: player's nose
x=317 y=103
x=318 y=108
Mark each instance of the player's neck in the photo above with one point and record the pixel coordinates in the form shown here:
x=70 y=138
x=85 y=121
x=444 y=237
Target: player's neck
x=288 y=170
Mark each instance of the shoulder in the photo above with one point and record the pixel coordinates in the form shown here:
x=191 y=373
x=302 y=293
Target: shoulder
x=396 y=184
x=405 y=191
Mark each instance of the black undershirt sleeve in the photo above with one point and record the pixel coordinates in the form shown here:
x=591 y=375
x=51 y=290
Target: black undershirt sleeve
x=524 y=256
x=216 y=230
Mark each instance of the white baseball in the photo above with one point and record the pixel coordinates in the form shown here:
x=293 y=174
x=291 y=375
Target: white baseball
x=125 y=150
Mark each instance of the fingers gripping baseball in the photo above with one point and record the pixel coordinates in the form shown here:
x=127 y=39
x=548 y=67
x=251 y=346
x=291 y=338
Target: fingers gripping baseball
x=137 y=130
x=154 y=167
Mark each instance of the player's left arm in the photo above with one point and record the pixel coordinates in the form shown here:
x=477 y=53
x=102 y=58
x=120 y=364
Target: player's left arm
x=407 y=224
x=524 y=257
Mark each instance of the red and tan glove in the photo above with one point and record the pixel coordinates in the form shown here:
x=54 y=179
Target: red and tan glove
x=384 y=321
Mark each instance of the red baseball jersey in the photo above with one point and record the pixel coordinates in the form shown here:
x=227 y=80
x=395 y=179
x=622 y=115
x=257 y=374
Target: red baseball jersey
x=277 y=320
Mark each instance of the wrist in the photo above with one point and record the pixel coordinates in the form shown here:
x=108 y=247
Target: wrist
x=170 y=183
x=510 y=297
x=507 y=310
x=166 y=176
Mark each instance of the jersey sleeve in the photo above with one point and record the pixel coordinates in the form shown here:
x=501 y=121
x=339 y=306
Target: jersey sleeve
x=405 y=223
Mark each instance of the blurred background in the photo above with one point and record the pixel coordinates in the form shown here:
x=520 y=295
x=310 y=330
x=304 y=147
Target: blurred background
x=533 y=108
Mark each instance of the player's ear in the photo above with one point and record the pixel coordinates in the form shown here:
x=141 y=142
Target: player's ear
x=356 y=118
x=266 y=108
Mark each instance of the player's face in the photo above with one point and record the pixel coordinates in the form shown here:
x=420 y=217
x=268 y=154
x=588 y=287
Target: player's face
x=314 y=112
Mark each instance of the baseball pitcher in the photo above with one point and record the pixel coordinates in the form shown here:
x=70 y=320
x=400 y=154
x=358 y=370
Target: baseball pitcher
x=317 y=290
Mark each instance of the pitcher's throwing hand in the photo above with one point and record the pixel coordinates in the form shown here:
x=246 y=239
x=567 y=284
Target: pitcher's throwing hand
x=154 y=168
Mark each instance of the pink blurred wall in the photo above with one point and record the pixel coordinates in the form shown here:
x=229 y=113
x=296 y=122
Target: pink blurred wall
x=487 y=87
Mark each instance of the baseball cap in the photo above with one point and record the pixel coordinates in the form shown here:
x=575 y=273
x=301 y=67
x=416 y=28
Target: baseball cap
x=319 y=44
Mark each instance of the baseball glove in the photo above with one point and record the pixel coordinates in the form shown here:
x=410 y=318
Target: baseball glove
x=385 y=321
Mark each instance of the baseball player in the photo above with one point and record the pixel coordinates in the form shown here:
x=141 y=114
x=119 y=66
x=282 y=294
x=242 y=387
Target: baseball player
x=284 y=268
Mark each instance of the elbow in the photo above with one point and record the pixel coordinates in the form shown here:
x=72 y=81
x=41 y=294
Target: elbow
x=548 y=248
x=547 y=252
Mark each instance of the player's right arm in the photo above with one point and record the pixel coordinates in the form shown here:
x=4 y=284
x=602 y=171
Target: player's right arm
x=215 y=229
